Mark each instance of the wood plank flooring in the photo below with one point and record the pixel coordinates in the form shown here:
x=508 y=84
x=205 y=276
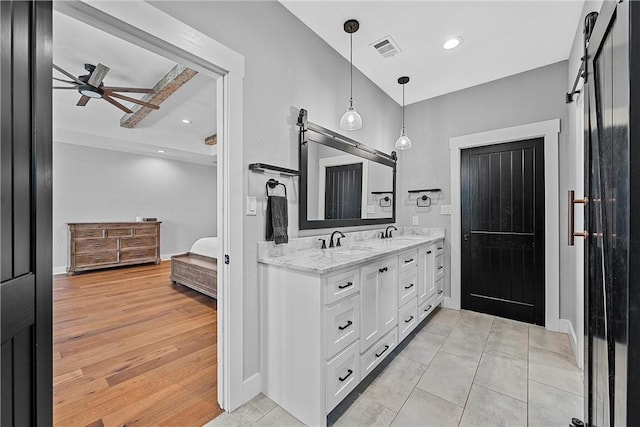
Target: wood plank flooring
x=131 y=349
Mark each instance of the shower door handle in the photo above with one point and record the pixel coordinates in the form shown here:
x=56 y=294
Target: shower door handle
x=572 y=233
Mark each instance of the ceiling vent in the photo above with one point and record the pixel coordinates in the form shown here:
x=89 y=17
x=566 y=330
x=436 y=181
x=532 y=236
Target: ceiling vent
x=386 y=47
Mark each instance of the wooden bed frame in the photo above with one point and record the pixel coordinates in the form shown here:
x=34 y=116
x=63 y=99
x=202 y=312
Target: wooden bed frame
x=197 y=272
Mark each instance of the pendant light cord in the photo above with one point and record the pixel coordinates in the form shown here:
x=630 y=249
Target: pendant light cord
x=403 y=106
x=351 y=62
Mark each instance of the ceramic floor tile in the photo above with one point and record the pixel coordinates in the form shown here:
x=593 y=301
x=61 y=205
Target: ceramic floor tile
x=423 y=347
x=548 y=340
x=395 y=383
x=565 y=379
x=425 y=409
x=256 y=408
x=506 y=344
x=441 y=323
x=503 y=374
x=228 y=419
x=449 y=376
x=551 y=358
x=489 y=408
x=278 y=417
x=549 y=406
x=510 y=327
x=465 y=342
x=366 y=412
x=478 y=321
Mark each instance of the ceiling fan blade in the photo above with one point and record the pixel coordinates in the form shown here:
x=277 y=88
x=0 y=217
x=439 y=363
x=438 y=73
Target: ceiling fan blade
x=65 y=81
x=83 y=101
x=135 y=101
x=116 y=103
x=128 y=89
x=68 y=74
x=98 y=75
x=64 y=87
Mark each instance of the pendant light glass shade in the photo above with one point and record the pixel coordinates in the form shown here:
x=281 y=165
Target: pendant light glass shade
x=403 y=142
x=351 y=120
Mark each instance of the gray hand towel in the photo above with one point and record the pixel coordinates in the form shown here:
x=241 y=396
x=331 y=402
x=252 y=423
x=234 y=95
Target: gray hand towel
x=277 y=219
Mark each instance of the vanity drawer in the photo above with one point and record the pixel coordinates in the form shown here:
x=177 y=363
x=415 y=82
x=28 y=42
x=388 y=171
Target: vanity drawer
x=407 y=260
x=341 y=285
x=407 y=319
x=439 y=247
x=377 y=353
x=427 y=307
x=439 y=266
x=407 y=286
x=342 y=325
x=343 y=374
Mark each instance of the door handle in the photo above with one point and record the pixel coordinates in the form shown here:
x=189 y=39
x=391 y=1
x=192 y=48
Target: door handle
x=466 y=237
x=572 y=233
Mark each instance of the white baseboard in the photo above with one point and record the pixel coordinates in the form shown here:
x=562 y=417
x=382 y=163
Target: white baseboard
x=252 y=387
x=566 y=327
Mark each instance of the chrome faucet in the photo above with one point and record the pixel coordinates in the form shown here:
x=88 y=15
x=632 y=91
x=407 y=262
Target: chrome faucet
x=337 y=240
x=388 y=233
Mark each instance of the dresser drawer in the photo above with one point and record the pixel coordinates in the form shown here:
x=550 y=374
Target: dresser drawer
x=407 y=260
x=407 y=286
x=341 y=285
x=376 y=354
x=137 y=242
x=96 y=258
x=342 y=324
x=343 y=374
x=138 y=254
x=427 y=307
x=95 y=245
x=145 y=231
x=90 y=232
x=407 y=319
x=119 y=232
x=439 y=266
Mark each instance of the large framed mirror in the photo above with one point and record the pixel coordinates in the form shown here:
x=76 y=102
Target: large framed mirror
x=343 y=182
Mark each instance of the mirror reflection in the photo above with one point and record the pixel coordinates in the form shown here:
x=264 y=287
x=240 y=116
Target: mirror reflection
x=344 y=186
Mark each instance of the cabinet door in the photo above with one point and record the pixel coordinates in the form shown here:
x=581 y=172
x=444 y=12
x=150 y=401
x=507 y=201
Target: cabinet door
x=369 y=300
x=426 y=282
x=388 y=303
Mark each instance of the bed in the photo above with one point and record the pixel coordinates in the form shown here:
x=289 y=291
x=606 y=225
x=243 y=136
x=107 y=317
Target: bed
x=198 y=268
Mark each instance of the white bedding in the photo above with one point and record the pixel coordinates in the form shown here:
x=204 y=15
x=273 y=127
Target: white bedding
x=206 y=246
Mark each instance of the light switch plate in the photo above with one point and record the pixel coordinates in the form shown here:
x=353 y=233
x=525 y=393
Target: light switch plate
x=445 y=209
x=371 y=209
x=416 y=220
x=251 y=205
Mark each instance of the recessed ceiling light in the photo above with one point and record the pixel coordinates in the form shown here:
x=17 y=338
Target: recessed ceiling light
x=186 y=121
x=452 y=43
x=161 y=151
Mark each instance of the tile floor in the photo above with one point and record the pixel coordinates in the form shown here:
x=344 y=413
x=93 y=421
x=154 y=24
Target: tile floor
x=459 y=368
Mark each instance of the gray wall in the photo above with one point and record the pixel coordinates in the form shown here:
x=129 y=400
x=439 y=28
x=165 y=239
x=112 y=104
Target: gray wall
x=91 y=184
x=528 y=97
x=287 y=67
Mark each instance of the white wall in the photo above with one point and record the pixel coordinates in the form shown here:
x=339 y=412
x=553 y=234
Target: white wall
x=532 y=96
x=287 y=67
x=91 y=184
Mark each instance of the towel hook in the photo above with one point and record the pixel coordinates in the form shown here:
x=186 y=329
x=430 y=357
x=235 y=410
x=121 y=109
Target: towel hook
x=272 y=183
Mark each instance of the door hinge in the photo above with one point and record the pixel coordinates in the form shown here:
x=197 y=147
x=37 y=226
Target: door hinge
x=226 y=259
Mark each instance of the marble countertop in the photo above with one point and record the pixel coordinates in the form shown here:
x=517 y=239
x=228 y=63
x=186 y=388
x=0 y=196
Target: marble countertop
x=322 y=261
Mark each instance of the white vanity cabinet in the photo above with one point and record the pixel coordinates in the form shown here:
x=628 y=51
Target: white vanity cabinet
x=322 y=333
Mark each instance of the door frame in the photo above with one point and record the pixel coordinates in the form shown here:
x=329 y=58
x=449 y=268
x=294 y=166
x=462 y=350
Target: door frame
x=148 y=27
x=347 y=159
x=548 y=130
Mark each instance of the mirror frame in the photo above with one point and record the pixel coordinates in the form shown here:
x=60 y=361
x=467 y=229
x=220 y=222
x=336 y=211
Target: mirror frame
x=311 y=132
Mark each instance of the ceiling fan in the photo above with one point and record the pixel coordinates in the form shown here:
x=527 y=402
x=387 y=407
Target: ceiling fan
x=91 y=86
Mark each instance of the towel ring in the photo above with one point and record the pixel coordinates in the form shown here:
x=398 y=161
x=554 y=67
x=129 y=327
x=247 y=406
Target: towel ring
x=272 y=183
x=426 y=201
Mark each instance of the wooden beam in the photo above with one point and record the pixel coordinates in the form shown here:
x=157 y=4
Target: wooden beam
x=166 y=87
x=211 y=140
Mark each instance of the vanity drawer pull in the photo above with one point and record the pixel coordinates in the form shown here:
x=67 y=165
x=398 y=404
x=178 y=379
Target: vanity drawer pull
x=409 y=287
x=428 y=252
x=440 y=292
x=428 y=308
x=349 y=372
x=407 y=261
x=382 y=270
x=386 y=347
x=345 y=286
x=440 y=267
x=439 y=248
x=409 y=319
x=342 y=328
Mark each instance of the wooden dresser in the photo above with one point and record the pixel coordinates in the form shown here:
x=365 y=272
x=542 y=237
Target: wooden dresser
x=112 y=244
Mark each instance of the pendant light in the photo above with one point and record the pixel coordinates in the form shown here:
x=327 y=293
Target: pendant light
x=403 y=142
x=351 y=120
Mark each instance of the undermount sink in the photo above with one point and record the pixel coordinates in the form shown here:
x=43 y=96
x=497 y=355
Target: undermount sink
x=353 y=250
